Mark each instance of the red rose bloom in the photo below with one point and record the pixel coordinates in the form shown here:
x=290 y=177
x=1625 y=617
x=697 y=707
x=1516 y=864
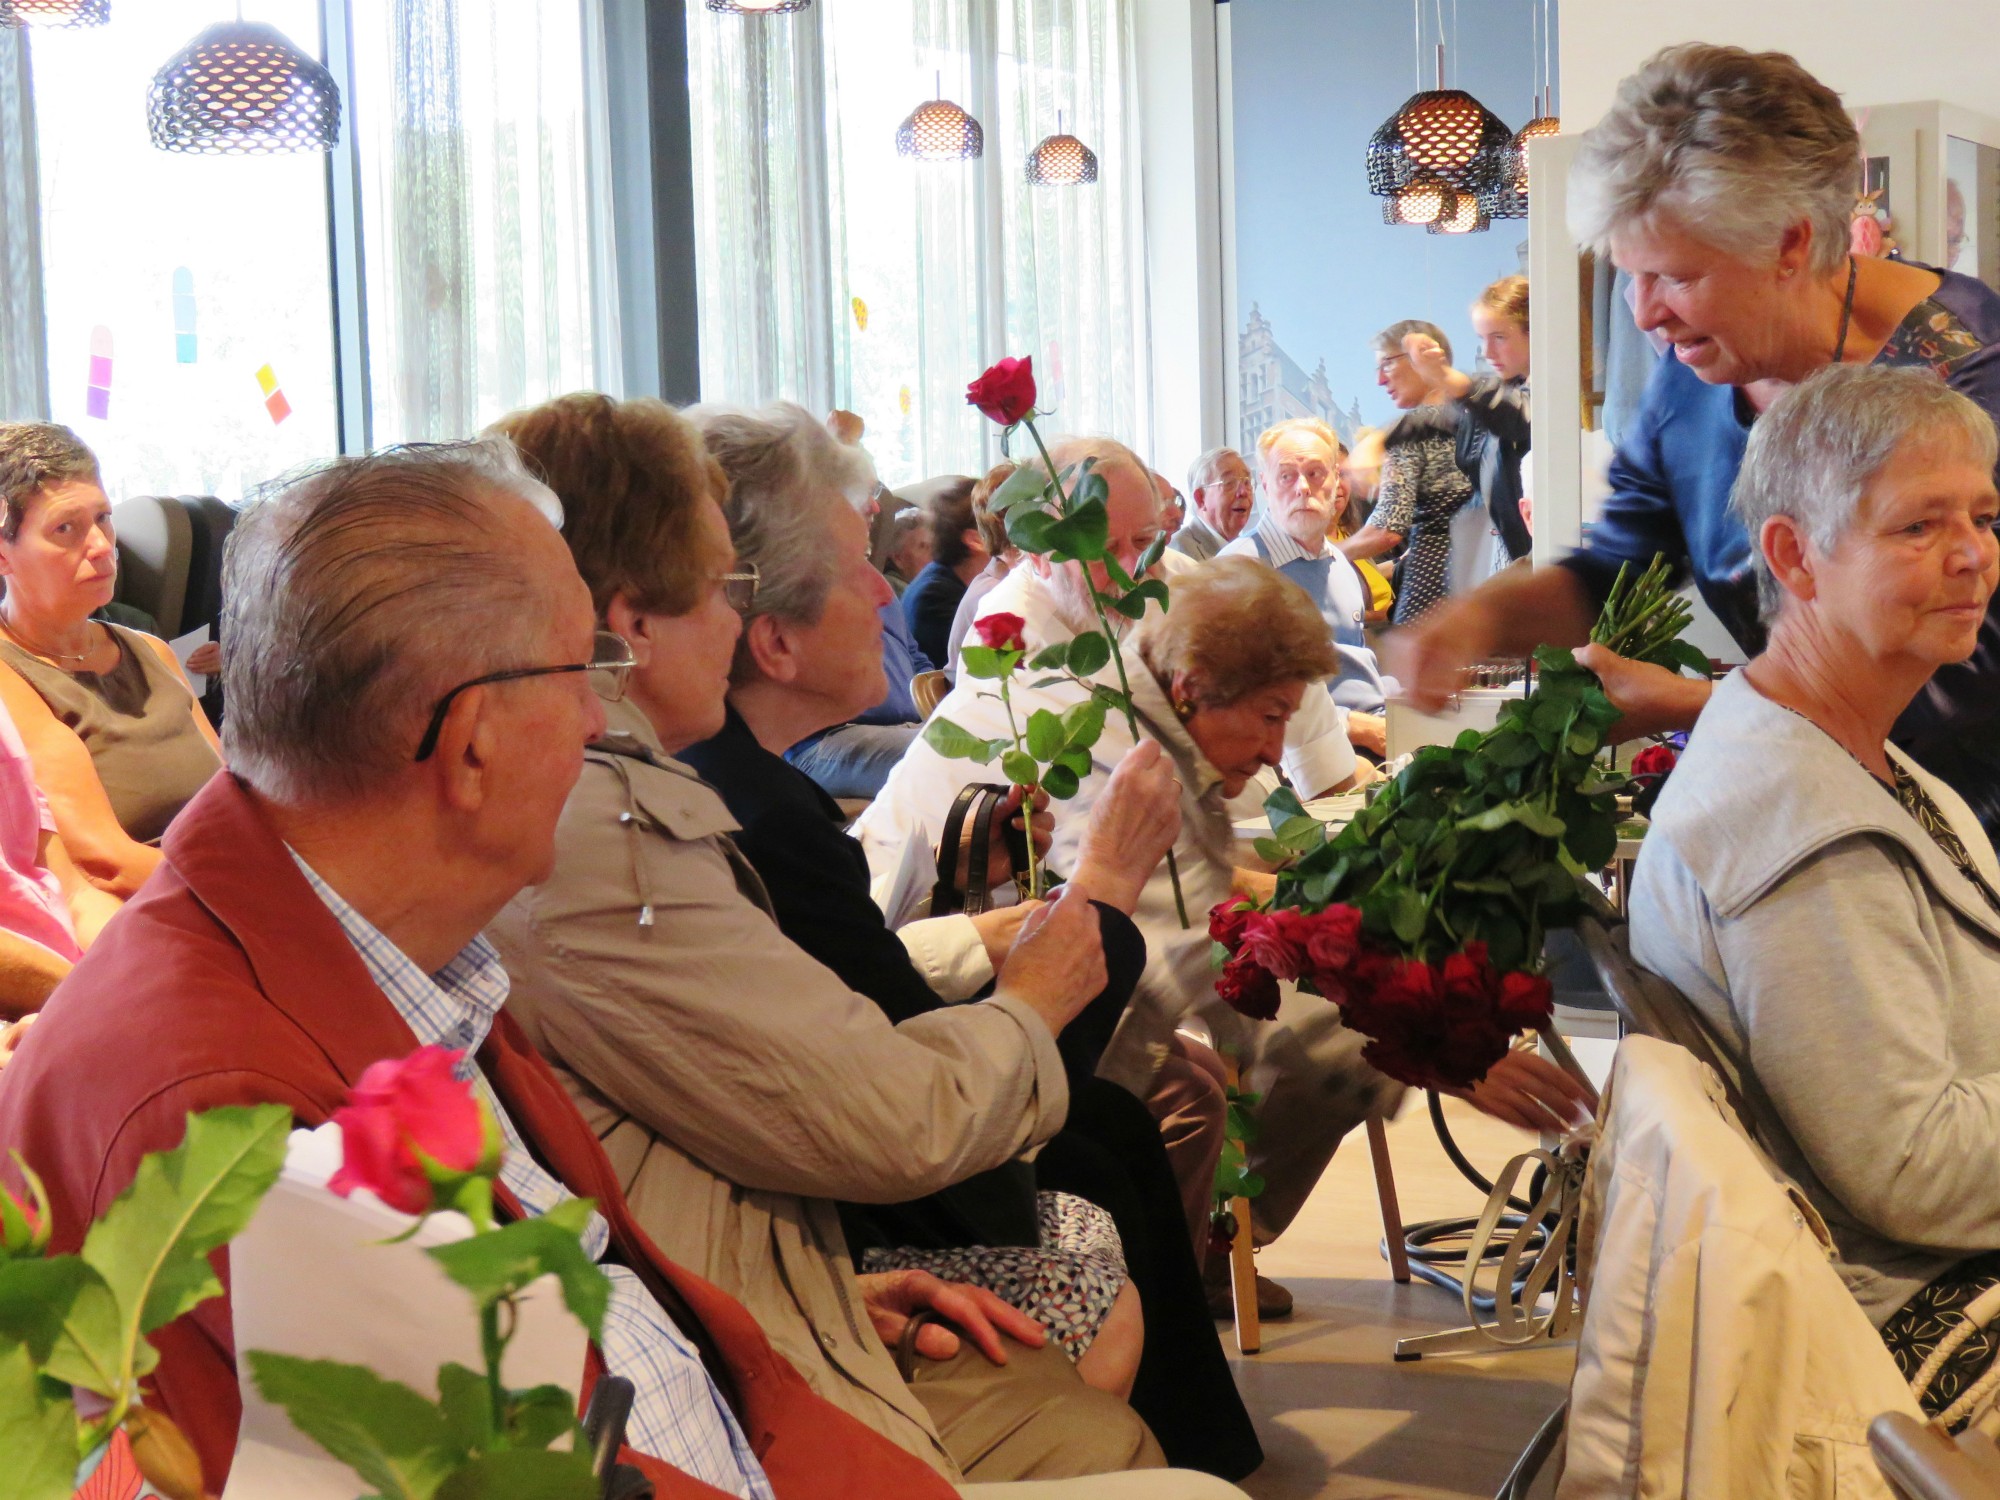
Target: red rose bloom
x=1006 y=393
x=1276 y=941
x=1468 y=981
x=1654 y=760
x=1001 y=631
x=1331 y=938
x=1226 y=921
x=402 y=1106
x=1526 y=1001
x=1249 y=990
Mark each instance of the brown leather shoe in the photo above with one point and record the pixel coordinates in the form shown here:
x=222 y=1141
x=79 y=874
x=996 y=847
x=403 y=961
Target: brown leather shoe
x=1274 y=1303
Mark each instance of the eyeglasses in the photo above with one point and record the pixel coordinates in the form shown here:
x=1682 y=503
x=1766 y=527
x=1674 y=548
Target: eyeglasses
x=610 y=664
x=1384 y=366
x=740 y=588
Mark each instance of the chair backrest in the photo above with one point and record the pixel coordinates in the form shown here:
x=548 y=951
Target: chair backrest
x=211 y=522
x=927 y=689
x=1923 y=1464
x=155 y=550
x=1648 y=1004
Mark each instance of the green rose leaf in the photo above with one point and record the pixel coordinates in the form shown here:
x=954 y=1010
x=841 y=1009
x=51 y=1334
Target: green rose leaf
x=1155 y=550
x=392 y=1437
x=954 y=743
x=1020 y=768
x=150 y=1249
x=1091 y=488
x=1113 y=700
x=1081 y=535
x=1060 y=782
x=37 y=1432
x=1083 y=723
x=1115 y=571
x=1133 y=605
x=467 y=1407
x=1045 y=734
x=1529 y=815
x=986 y=662
x=1031 y=530
x=1406 y=915
x=1282 y=806
x=35 y=1299
x=1024 y=486
x=1076 y=761
x=538 y=1417
x=496 y=1265
x=1271 y=851
x=1049 y=659
x=1088 y=654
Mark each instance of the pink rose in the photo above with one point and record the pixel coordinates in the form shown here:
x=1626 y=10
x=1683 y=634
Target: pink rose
x=1002 y=631
x=1276 y=941
x=1006 y=392
x=1248 y=989
x=402 y=1107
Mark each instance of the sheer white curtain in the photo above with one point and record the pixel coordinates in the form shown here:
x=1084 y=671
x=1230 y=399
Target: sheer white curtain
x=24 y=385
x=484 y=278
x=930 y=270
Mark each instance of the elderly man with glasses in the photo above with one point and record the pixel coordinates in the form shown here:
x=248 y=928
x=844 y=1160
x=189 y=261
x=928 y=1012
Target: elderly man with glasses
x=1220 y=484
x=413 y=675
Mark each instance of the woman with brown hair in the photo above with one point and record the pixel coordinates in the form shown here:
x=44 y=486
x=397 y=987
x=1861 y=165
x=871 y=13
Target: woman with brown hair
x=1001 y=555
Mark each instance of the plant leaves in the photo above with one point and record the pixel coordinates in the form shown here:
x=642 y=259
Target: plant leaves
x=1083 y=723
x=1076 y=762
x=1088 y=654
x=1155 y=550
x=537 y=1417
x=986 y=662
x=1091 y=488
x=384 y=1431
x=37 y=1432
x=35 y=1298
x=1060 y=782
x=1133 y=605
x=1026 y=484
x=1081 y=535
x=491 y=1266
x=954 y=743
x=151 y=1245
x=1045 y=735
x=1049 y=659
x=467 y=1407
x=1282 y=806
x=1030 y=529
x=1020 y=768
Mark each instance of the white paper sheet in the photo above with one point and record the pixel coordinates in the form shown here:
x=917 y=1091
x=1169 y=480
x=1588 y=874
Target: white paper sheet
x=310 y=1278
x=184 y=646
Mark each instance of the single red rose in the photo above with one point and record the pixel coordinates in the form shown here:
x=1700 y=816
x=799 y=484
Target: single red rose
x=1276 y=941
x=1002 y=631
x=1409 y=983
x=402 y=1106
x=1006 y=392
x=1332 y=938
x=1248 y=989
x=1468 y=982
x=1526 y=1001
x=1654 y=760
x=1226 y=921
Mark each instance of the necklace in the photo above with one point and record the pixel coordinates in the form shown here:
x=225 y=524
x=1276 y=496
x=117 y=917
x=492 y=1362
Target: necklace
x=32 y=649
x=1846 y=313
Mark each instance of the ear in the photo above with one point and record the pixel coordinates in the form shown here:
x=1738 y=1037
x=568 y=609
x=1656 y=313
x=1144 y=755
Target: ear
x=1040 y=563
x=1795 y=249
x=974 y=542
x=465 y=749
x=620 y=618
x=1790 y=556
x=1182 y=689
x=769 y=642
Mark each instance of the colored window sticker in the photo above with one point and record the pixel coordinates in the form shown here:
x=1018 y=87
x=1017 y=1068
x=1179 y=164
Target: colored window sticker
x=97 y=397
x=274 y=399
x=184 y=344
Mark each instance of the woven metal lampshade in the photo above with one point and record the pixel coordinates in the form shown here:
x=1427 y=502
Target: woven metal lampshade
x=1466 y=217
x=1424 y=200
x=54 y=14
x=938 y=130
x=1442 y=132
x=1539 y=128
x=1061 y=160
x=757 y=7
x=241 y=88
x=1507 y=201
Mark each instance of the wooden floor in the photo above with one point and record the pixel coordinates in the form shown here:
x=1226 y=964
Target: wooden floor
x=1337 y=1416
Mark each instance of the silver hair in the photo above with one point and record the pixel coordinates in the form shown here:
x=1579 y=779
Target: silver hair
x=1202 y=474
x=358 y=593
x=1815 y=453
x=33 y=456
x=1733 y=147
x=786 y=473
x=1390 y=339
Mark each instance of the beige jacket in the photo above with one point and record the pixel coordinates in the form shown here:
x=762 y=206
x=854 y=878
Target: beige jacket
x=738 y=1086
x=1720 y=1352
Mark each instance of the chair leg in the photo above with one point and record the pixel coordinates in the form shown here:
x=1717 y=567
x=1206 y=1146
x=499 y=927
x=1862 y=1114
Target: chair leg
x=1385 y=1189
x=1243 y=1257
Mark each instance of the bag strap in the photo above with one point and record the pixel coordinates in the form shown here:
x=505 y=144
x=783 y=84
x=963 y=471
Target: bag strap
x=962 y=855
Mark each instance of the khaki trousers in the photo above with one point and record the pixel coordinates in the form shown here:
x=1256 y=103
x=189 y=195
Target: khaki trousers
x=1032 y=1418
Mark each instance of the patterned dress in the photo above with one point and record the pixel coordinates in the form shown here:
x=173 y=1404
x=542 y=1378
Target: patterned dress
x=1422 y=489
x=1067 y=1283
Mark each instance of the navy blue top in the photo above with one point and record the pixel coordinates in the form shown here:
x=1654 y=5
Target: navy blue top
x=1670 y=486
x=930 y=604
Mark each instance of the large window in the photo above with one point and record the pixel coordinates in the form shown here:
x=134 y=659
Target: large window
x=834 y=272
x=193 y=333
x=181 y=278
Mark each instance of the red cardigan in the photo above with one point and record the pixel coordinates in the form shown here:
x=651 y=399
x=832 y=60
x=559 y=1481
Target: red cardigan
x=227 y=981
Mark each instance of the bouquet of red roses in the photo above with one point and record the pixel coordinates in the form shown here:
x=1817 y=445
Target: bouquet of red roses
x=1424 y=918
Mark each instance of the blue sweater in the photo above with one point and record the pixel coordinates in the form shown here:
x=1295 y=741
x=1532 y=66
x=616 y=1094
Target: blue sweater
x=1670 y=486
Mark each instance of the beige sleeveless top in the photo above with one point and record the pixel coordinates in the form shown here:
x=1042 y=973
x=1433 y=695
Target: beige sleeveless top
x=137 y=724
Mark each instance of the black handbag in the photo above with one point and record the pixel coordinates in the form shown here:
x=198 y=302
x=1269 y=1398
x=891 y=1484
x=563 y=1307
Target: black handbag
x=965 y=848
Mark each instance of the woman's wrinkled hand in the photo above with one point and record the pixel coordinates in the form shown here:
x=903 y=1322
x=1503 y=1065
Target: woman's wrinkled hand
x=999 y=926
x=1654 y=700
x=894 y=1297
x=1056 y=966
x=1131 y=828
x=999 y=862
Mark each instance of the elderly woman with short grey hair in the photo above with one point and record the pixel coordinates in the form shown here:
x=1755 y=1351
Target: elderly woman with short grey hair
x=1828 y=905
x=1721 y=182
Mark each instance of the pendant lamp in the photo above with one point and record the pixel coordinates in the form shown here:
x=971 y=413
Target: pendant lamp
x=240 y=88
x=1466 y=217
x=1423 y=200
x=1061 y=160
x=1509 y=200
x=1443 y=132
x=757 y=7
x=938 y=130
x=54 y=14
